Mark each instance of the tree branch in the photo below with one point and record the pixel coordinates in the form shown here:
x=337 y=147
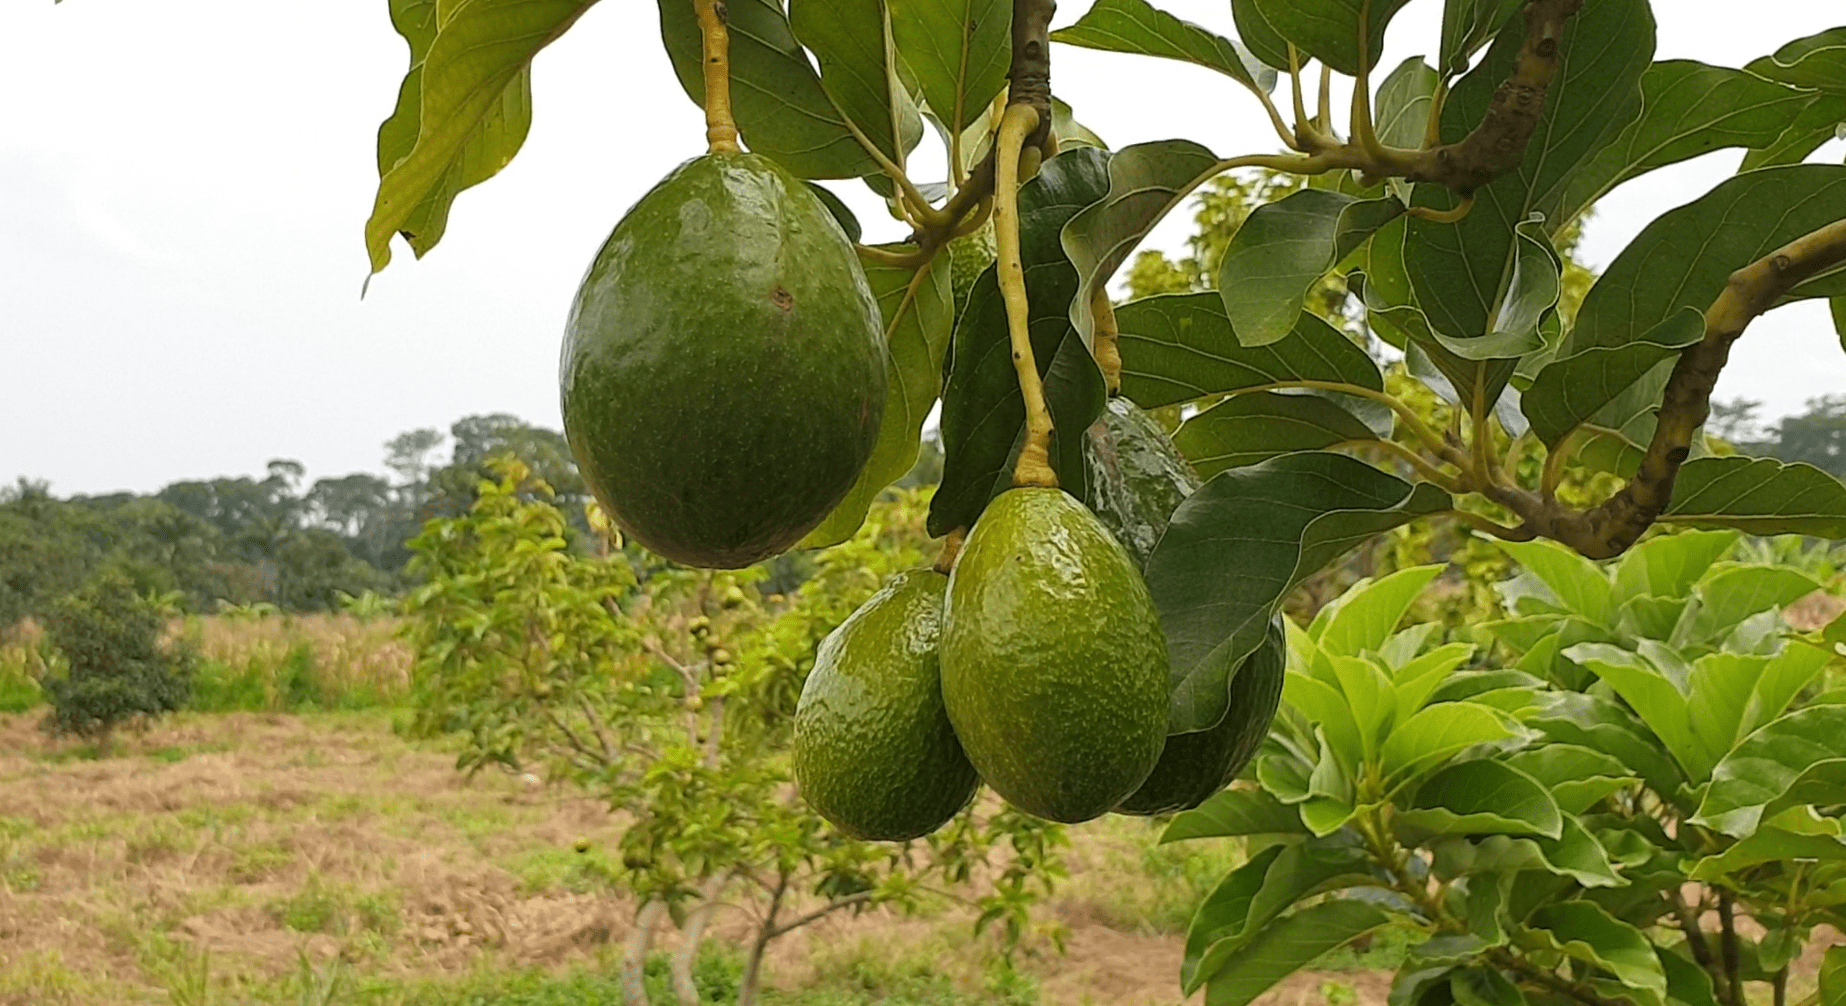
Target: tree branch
x=857 y=898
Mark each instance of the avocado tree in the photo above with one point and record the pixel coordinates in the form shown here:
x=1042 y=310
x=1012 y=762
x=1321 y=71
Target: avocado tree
x=1439 y=196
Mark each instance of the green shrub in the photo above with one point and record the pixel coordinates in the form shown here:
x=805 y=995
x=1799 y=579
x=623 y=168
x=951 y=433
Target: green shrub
x=117 y=669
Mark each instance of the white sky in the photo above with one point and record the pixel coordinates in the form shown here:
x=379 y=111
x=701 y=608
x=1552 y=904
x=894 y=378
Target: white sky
x=183 y=186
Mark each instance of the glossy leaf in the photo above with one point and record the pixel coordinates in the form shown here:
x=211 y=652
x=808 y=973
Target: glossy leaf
x=1249 y=428
x=1668 y=565
x=1440 y=731
x=1575 y=853
x=1177 y=347
x=918 y=315
x=1269 y=526
x=1480 y=798
x=1234 y=812
x=1135 y=26
x=1578 y=389
x=1577 y=582
x=1732 y=593
x=1285 y=246
x=1576 y=776
x=462 y=113
x=1584 y=931
x=1331 y=30
x=1657 y=700
x=1602 y=725
x=1460 y=271
x=1768 y=845
x=1760 y=496
x=1146 y=181
x=1739 y=221
x=1806 y=746
x=958 y=51
x=1287 y=945
x=1688 y=108
x=1253 y=895
x=1368 y=613
x=848 y=38
x=1332 y=713
x=781 y=108
x=983 y=413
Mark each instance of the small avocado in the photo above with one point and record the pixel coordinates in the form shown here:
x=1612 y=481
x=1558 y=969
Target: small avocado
x=1054 y=668
x=1137 y=477
x=723 y=372
x=1196 y=765
x=874 y=751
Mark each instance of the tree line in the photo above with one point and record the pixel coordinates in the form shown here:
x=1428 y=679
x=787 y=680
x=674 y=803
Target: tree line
x=275 y=538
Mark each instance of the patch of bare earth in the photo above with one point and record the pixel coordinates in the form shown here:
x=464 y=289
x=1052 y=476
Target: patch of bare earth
x=258 y=837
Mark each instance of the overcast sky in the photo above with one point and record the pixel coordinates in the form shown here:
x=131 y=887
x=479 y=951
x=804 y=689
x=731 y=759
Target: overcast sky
x=183 y=187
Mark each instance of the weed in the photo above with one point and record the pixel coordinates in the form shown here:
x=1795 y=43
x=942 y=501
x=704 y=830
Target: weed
x=314 y=909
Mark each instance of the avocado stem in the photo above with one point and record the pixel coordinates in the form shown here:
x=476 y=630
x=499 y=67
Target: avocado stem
x=720 y=127
x=951 y=547
x=1104 y=346
x=1016 y=127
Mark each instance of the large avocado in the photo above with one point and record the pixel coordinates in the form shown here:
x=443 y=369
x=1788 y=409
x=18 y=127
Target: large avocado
x=1137 y=477
x=874 y=751
x=723 y=373
x=1054 y=669
x=1196 y=765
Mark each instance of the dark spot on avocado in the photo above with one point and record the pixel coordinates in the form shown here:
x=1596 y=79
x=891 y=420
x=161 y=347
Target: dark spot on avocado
x=783 y=299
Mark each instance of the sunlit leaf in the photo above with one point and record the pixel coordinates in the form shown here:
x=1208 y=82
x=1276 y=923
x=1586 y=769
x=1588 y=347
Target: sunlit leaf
x=1479 y=798
x=1285 y=946
x=1807 y=746
x=1583 y=931
x=1234 y=812
x=1439 y=731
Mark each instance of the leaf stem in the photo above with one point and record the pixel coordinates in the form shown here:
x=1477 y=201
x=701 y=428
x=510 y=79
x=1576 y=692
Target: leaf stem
x=1733 y=955
x=1016 y=126
x=1105 y=347
x=720 y=127
x=951 y=549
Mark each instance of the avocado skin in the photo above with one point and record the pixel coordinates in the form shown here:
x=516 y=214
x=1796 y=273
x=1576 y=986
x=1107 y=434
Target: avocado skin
x=1194 y=766
x=723 y=370
x=1054 y=668
x=1137 y=477
x=874 y=751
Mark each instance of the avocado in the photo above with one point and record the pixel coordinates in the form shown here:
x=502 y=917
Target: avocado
x=723 y=371
x=1054 y=668
x=1137 y=477
x=874 y=751
x=1196 y=765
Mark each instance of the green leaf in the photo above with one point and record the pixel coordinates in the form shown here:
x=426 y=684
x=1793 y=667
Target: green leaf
x=1760 y=496
x=1332 y=712
x=1769 y=845
x=1583 y=931
x=1235 y=812
x=918 y=316
x=1807 y=746
x=1687 y=108
x=1249 y=428
x=1135 y=26
x=848 y=37
x=1787 y=674
x=1659 y=701
x=1579 y=584
x=983 y=413
x=1576 y=776
x=1177 y=347
x=1733 y=593
x=1833 y=976
x=1688 y=984
x=1817 y=60
x=1739 y=221
x=1369 y=695
x=1259 y=34
x=1286 y=946
x=1285 y=246
x=1577 y=389
x=1479 y=798
x=1333 y=31
x=777 y=99
x=1273 y=524
x=1814 y=125
x=1484 y=986
x=1466 y=26
x=1368 y=613
x=958 y=51
x=1529 y=295
x=1439 y=731
x=1253 y=895
x=1146 y=181
x=1575 y=853
x=1461 y=271
x=1401 y=109
x=1602 y=725
x=463 y=110
x=1668 y=565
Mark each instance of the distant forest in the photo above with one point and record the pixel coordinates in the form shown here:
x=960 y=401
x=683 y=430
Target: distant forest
x=276 y=539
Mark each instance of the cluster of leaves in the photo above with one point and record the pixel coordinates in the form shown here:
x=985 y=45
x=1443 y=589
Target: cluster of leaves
x=116 y=668
x=1590 y=824
x=671 y=693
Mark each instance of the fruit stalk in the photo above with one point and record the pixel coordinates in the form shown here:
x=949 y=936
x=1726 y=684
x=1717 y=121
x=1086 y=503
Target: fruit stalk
x=1017 y=126
x=720 y=127
x=1105 y=347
